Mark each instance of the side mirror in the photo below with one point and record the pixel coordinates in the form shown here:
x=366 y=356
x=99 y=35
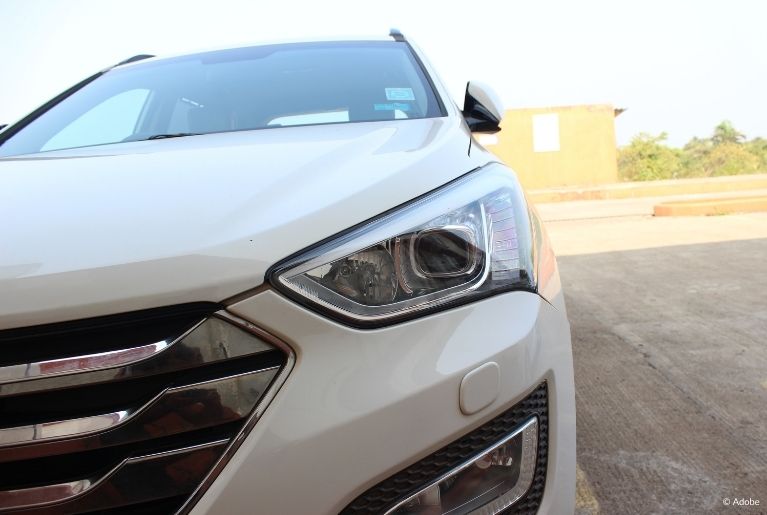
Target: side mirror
x=482 y=108
x=3 y=126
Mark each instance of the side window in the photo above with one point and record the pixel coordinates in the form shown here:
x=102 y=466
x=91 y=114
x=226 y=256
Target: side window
x=111 y=121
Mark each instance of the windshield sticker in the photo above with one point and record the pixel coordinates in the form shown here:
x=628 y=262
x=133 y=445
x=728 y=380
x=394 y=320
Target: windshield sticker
x=399 y=94
x=391 y=107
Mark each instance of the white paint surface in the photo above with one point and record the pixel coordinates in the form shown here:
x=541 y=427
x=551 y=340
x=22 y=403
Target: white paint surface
x=546 y=132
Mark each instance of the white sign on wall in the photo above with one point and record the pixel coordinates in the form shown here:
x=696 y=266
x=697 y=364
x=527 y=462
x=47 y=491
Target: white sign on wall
x=546 y=132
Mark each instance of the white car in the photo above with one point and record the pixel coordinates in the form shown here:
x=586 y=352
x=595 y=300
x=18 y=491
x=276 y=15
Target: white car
x=277 y=279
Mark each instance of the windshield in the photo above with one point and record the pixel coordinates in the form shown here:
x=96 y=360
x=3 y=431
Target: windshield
x=232 y=90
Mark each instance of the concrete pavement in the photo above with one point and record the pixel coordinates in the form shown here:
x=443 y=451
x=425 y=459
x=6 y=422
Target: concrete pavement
x=669 y=324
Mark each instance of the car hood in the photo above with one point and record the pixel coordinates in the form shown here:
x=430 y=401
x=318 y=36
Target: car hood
x=116 y=228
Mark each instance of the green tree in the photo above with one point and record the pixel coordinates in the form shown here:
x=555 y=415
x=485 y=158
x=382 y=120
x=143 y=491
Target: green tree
x=730 y=159
x=726 y=133
x=726 y=152
x=694 y=156
x=647 y=158
x=758 y=147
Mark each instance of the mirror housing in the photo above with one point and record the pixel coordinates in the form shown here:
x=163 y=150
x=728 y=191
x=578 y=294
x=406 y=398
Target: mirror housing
x=482 y=108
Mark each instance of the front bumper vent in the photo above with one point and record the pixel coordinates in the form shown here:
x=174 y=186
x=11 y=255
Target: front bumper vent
x=131 y=413
x=390 y=492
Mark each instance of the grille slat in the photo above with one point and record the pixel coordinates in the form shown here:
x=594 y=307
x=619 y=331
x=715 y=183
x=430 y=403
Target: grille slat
x=177 y=410
x=76 y=364
x=194 y=346
x=136 y=480
x=100 y=334
x=74 y=466
x=86 y=438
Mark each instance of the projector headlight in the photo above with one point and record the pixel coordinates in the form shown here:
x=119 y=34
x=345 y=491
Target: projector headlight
x=464 y=241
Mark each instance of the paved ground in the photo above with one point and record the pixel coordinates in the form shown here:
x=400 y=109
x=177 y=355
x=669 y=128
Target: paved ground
x=669 y=324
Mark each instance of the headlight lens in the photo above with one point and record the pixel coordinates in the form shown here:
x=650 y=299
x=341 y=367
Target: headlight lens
x=466 y=240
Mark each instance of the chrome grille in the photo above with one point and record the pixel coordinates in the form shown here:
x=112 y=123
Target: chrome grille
x=130 y=413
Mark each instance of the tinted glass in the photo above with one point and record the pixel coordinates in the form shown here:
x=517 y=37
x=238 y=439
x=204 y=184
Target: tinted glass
x=241 y=89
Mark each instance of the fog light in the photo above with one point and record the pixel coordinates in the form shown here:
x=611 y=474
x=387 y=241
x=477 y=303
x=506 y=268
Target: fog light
x=485 y=484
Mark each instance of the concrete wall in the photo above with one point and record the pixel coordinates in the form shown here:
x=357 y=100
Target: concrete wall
x=559 y=146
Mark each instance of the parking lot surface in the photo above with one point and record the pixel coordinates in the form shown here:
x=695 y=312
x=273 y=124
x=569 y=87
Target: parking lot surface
x=669 y=325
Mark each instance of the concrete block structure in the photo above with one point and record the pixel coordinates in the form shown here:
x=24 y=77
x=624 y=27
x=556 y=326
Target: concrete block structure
x=559 y=146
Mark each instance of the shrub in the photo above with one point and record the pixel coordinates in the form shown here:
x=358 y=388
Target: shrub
x=726 y=152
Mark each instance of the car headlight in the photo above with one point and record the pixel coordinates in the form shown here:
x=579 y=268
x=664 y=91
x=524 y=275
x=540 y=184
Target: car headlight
x=464 y=241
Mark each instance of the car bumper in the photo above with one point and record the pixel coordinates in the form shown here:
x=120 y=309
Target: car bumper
x=361 y=405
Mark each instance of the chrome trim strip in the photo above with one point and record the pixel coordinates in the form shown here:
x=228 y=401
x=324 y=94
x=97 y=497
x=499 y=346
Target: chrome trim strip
x=75 y=364
x=223 y=400
x=191 y=349
x=174 y=452
x=39 y=496
x=529 y=431
x=61 y=428
x=261 y=407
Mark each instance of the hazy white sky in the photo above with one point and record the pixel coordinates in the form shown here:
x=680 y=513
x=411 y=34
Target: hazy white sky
x=678 y=66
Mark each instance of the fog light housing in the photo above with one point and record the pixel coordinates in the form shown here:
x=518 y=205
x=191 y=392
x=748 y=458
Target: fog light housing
x=486 y=484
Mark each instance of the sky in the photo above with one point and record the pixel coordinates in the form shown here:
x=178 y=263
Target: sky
x=677 y=66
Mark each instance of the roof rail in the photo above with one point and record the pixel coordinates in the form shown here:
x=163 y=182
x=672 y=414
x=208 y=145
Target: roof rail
x=397 y=35
x=135 y=58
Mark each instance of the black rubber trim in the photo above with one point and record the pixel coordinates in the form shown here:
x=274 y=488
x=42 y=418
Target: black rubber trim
x=386 y=494
x=18 y=126
x=427 y=76
x=135 y=58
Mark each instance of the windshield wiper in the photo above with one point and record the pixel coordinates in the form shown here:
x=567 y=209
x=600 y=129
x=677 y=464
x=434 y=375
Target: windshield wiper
x=176 y=135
